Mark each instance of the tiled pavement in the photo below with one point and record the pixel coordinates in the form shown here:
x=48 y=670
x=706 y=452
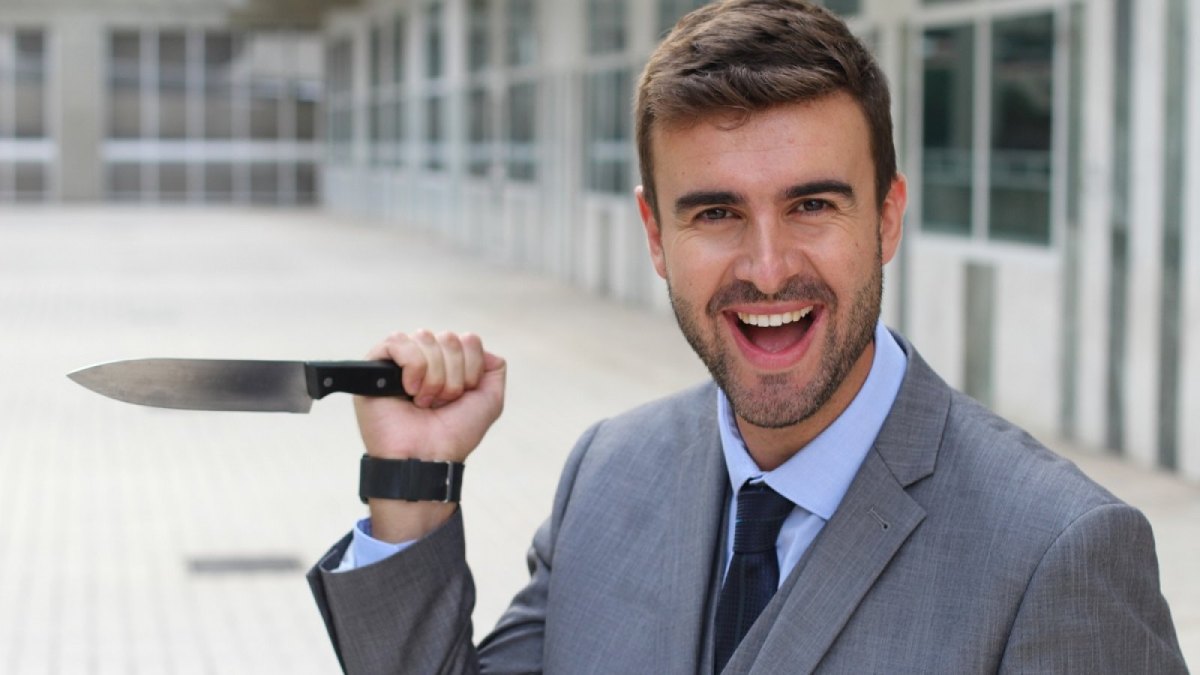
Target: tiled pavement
x=135 y=540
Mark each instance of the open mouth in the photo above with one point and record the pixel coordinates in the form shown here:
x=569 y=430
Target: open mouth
x=775 y=333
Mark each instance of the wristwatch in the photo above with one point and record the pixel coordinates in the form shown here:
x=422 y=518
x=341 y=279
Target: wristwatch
x=410 y=480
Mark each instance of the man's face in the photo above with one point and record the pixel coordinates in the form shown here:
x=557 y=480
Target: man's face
x=772 y=246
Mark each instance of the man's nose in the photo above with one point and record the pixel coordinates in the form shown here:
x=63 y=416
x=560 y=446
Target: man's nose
x=768 y=258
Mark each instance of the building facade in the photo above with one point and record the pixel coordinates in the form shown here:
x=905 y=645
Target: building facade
x=155 y=101
x=1051 y=264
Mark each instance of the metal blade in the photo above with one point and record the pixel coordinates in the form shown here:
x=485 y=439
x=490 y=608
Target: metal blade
x=202 y=384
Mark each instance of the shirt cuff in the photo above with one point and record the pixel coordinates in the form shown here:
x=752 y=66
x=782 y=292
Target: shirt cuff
x=367 y=550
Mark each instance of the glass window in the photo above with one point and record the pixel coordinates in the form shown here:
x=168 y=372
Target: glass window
x=433 y=40
x=380 y=114
x=125 y=181
x=1022 y=98
x=29 y=182
x=340 y=74
x=172 y=85
x=521 y=143
x=479 y=131
x=265 y=99
x=306 y=94
x=306 y=183
x=606 y=26
x=219 y=55
x=844 y=7
x=522 y=32
x=608 y=125
x=340 y=68
x=271 y=62
x=948 y=127
x=479 y=35
x=218 y=182
x=30 y=87
x=264 y=183
x=172 y=182
x=399 y=42
x=6 y=74
x=434 y=133
x=124 y=85
x=671 y=11
x=377 y=56
x=400 y=129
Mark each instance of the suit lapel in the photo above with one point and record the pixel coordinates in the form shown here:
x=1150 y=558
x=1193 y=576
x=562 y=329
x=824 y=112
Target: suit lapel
x=819 y=596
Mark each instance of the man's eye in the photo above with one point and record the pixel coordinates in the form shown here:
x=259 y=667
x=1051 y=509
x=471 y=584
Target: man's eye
x=813 y=205
x=715 y=214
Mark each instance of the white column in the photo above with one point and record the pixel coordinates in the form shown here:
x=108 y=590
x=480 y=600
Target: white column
x=361 y=95
x=1095 y=228
x=561 y=25
x=1189 y=324
x=1143 y=320
x=76 y=76
x=454 y=34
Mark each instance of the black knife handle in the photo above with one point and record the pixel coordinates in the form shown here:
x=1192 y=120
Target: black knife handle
x=366 y=378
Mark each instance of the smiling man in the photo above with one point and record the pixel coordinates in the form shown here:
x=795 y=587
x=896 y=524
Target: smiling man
x=825 y=504
x=772 y=242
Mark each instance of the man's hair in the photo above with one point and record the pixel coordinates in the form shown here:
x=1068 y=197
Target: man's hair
x=738 y=57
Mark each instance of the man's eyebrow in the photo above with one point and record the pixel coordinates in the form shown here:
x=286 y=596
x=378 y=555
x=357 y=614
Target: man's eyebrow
x=692 y=200
x=820 y=187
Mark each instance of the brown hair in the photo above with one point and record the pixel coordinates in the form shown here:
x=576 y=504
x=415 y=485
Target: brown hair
x=744 y=56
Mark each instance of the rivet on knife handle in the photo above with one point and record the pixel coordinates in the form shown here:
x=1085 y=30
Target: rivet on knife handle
x=365 y=378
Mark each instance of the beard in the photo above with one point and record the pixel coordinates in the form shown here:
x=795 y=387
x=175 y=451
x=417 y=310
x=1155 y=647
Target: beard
x=773 y=400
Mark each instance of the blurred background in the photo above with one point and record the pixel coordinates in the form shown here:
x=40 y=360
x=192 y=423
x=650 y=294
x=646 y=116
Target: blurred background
x=175 y=175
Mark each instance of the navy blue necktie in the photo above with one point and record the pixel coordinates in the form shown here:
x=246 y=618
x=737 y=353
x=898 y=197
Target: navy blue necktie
x=753 y=572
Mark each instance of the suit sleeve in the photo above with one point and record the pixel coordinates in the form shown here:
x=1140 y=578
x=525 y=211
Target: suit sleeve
x=1094 y=605
x=411 y=613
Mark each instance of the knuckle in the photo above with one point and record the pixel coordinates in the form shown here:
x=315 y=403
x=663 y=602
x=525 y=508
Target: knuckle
x=450 y=341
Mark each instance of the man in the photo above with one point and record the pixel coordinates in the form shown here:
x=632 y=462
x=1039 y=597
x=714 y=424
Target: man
x=906 y=529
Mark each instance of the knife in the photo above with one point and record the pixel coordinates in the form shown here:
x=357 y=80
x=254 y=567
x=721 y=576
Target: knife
x=254 y=386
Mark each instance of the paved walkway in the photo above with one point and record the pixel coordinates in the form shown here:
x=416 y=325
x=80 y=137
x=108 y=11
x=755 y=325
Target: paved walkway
x=135 y=540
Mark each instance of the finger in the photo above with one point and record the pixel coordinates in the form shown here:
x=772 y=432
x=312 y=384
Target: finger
x=452 y=361
x=492 y=382
x=435 y=369
x=404 y=351
x=472 y=348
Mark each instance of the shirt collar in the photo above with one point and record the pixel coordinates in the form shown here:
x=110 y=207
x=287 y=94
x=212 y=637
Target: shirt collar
x=817 y=477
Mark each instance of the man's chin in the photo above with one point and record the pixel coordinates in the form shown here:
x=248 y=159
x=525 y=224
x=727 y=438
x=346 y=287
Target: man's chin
x=772 y=401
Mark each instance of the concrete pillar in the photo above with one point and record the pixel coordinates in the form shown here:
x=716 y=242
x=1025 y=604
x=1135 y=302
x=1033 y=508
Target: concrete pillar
x=78 y=79
x=1095 y=239
x=1189 y=324
x=1143 y=321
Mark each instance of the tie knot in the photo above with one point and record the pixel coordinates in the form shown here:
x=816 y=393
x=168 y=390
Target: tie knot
x=760 y=513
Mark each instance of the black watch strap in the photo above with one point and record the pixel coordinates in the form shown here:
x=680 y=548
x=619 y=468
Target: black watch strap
x=410 y=480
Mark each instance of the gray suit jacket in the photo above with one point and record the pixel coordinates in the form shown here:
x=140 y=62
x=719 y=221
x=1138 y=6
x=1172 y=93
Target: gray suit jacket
x=962 y=546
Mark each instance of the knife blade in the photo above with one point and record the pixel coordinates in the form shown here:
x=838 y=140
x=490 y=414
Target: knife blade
x=238 y=385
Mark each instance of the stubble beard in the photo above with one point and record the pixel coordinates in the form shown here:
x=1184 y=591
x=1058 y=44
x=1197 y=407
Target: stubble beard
x=773 y=401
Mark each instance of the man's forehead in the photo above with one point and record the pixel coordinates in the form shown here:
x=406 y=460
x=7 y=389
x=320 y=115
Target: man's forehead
x=825 y=129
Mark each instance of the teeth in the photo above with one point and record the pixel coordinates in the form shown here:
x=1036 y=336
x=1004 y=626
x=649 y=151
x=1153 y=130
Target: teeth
x=768 y=320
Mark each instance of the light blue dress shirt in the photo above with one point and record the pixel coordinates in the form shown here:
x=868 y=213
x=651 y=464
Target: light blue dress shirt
x=816 y=478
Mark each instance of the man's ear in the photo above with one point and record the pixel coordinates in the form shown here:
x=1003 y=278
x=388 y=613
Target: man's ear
x=891 y=217
x=653 y=232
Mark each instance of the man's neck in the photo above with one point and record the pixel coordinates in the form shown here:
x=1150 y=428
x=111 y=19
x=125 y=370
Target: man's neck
x=769 y=448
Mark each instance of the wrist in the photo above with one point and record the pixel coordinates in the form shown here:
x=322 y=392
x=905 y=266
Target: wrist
x=396 y=522
x=410 y=480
